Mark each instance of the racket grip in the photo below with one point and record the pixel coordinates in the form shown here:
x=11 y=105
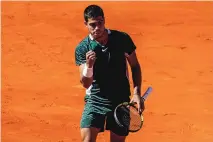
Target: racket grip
x=146 y=94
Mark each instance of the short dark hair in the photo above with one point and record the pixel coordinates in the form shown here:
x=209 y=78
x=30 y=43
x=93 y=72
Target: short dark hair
x=93 y=11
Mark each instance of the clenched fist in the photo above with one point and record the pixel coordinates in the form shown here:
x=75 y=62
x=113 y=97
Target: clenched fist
x=90 y=59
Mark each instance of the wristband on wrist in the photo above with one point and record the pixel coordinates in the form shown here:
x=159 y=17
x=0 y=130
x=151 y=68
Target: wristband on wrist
x=87 y=72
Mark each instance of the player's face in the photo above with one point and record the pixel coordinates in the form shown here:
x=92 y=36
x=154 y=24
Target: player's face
x=96 y=26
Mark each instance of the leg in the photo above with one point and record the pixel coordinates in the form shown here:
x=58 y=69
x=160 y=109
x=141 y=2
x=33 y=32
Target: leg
x=116 y=138
x=117 y=134
x=92 y=122
x=89 y=134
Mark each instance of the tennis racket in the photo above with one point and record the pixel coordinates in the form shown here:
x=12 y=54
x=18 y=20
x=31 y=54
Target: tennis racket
x=126 y=114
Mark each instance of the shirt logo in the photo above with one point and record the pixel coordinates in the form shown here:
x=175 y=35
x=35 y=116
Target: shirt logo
x=104 y=50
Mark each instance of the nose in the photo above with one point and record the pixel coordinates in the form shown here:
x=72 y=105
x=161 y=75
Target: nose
x=97 y=27
x=98 y=24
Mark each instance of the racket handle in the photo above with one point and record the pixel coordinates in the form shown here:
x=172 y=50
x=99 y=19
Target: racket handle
x=146 y=94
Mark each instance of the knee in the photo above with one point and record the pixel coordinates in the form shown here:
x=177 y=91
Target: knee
x=86 y=139
x=86 y=136
x=89 y=134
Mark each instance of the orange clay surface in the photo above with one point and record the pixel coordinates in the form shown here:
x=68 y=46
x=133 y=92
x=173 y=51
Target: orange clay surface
x=42 y=99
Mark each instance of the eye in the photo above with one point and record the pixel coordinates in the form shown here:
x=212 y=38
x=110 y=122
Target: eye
x=92 y=25
x=99 y=23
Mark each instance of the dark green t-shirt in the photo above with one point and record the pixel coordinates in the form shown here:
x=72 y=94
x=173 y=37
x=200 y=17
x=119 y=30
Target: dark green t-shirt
x=110 y=77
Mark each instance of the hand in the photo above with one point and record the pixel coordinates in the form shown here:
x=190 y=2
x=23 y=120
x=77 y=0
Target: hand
x=90 y=59
x=140 y=102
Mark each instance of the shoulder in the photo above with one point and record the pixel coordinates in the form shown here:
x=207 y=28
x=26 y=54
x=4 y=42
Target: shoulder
x=82 y=45
x=121 y=34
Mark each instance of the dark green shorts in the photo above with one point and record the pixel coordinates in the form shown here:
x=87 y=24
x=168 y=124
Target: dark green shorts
x=101 y=116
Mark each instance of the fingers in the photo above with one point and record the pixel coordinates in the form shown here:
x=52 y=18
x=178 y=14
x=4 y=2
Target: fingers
x=139 y=107
x=131 y=101
x=90 y=58
x=90 y=52
x=90 y=55
x=137 y=100
x=142 y=107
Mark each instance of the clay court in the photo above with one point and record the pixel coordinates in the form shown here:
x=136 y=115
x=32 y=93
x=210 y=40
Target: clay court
x=42 y=98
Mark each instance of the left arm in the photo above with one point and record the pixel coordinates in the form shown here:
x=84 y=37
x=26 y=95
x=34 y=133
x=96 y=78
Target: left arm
x=136 y=72
x=129 y=50
x=137 y=80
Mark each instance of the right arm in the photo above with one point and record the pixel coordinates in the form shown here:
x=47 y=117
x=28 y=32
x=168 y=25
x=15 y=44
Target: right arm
x=86 y=69
x=85 y=81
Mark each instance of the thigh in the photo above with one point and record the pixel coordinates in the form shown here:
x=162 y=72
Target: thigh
x=92 y=118
x=89 y=134
x=111 y=123
x=114 y=128
x=116 y=138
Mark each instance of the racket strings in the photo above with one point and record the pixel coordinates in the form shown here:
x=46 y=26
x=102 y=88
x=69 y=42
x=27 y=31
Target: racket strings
x=135 y=119
x=129 y=117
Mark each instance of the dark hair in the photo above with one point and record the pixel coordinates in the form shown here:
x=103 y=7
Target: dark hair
x=93 y=11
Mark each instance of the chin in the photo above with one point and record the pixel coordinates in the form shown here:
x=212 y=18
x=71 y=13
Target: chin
x=98 y=35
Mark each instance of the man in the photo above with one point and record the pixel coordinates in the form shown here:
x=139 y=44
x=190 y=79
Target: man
x=102 y=59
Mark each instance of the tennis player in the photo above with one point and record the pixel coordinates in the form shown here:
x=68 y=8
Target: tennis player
x=102 y=57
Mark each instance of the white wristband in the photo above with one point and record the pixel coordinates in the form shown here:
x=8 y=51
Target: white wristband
x=87 y=72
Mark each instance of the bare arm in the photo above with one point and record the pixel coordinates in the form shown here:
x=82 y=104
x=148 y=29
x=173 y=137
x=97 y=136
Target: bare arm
x=136 y=72
x=86 y=70
x=85 y=81
x=137 y=80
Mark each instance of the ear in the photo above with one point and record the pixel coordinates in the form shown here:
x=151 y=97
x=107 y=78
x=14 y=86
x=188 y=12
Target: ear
x=85 y=23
